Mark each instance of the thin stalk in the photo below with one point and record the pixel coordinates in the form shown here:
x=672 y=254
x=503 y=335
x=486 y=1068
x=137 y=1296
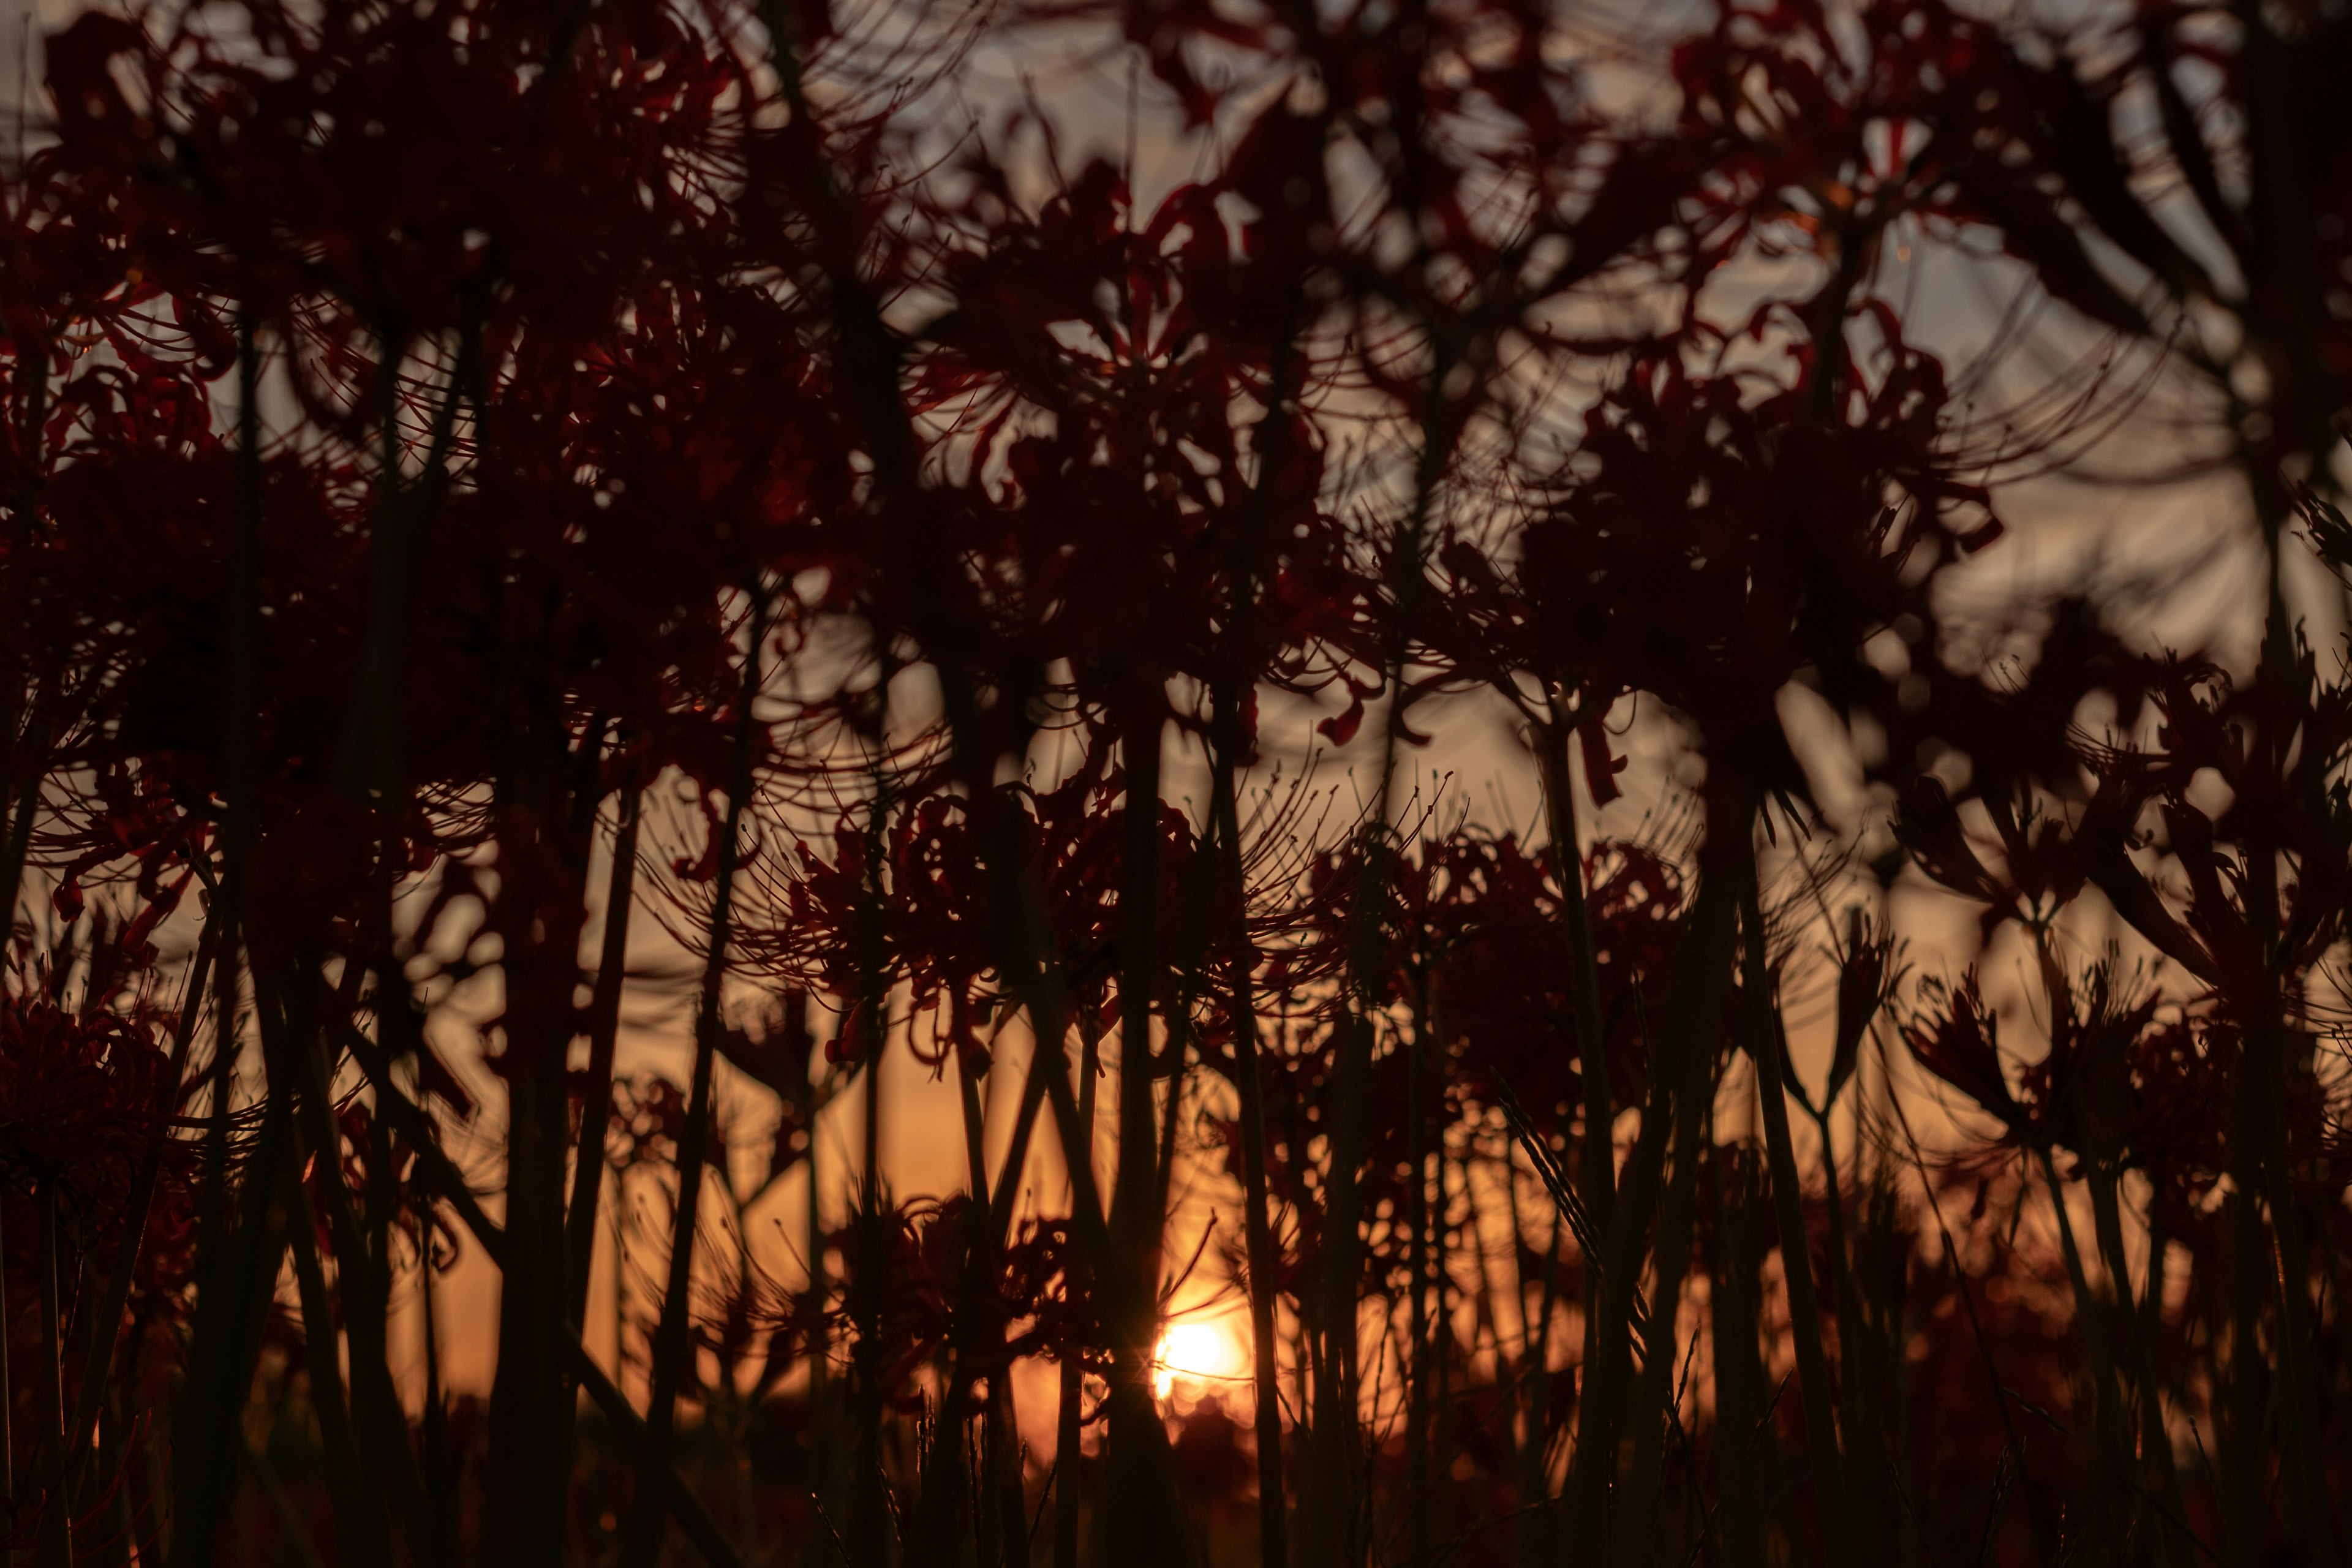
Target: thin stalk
x=1732 y=1294
x=17 y=845
x=819 y=1347
x=358 y=1508
x=1698 y=1006
x=1510 y=1421
x=56 y=1545
x=113 y=1451
x=531 y=1397
x=1003 y=1462
x=1442 y=1292
x=231 y=1311
x=670 y=1345
x=818 y=1446
x=1004 y=1451
x=1131 y=1490
x=1068 y=1463
x=2287 y=1262
x=1069 y=1466
x=364 y=1279
x=2155 y=1484
x=368 y=764
x=1241 y=960
x=2156 y=1441
x=7 y=1400
x=604 y=1032
x=435 y=1421
x=2245 y=1504
x=1598 y=1164
x=620 y=1279
x=1534 y=1533
x=2091 y=1316
x=978 y=1339
x=1591 y=1039
x=1417 y=1394
x=1338 y=1511
x=1856 y=1386
x=1703 y=948
x=1177 y=1071
x=1822 y=1445
x=868 y=1520
x=2012 y=1443
x=379 y=1422
x=1333 y=1496
x=105 y=1321
x=1006 y=1188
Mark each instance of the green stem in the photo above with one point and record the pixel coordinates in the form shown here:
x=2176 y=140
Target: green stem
x=359 y=1513
x=1732 y=1294
x=603 y=1034
x=671 y=1344
x=1796 y=1256
x=105 y=1321
x=55 y=1547
x=1689 y=1061
x=1600 y=1151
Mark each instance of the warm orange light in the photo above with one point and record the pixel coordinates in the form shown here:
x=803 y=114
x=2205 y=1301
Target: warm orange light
x=1201 y=1351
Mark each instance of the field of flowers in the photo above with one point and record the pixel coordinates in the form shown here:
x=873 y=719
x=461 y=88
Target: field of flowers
x=1418 y=679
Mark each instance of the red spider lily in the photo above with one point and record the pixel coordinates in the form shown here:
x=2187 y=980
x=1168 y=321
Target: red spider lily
x=854 y=930
x=1957 y=1037
x=2112 y=1085
x=1635 y=901
x=82 y=1085
x=918 y=1310
x=293 y=158
x=1110 y=534
x=1714 y=572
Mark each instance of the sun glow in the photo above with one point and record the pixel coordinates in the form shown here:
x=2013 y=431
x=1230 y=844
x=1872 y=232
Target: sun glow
x=1202 y=1351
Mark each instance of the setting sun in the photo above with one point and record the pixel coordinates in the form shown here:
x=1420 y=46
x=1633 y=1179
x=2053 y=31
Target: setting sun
x=1203 y=1351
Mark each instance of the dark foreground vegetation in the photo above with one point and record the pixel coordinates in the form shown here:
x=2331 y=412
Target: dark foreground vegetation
x=798 y=473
